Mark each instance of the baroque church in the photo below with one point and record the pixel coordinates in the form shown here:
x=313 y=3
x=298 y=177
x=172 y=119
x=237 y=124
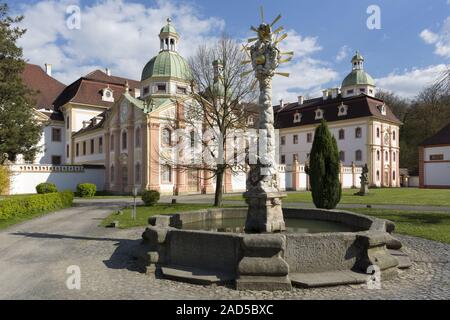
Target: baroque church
x=122 y=127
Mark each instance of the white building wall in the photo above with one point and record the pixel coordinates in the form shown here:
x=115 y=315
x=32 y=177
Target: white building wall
x=437 y=173
x=51 y=148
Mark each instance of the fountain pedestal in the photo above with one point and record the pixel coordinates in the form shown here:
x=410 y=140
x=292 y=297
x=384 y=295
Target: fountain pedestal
x=265 y=213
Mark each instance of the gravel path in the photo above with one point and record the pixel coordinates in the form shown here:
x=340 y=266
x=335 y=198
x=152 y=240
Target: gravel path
x=34 y=257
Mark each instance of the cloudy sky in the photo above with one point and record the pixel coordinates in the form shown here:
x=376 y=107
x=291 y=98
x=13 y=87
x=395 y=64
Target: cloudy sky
x=408 y=51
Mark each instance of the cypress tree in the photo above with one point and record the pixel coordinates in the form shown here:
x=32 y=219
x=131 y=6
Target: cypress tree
x=324 y=169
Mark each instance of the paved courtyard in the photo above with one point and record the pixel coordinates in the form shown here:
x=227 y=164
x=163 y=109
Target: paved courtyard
x=34 y=257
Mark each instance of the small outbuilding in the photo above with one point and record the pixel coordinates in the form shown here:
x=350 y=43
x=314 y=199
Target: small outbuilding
x=434 y=160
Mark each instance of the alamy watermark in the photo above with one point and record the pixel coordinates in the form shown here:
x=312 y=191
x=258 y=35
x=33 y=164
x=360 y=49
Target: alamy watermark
x=373 y=22
x=73 y=20
x=73 y=282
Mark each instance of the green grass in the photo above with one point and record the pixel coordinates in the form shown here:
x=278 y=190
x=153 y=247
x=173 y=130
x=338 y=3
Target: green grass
x=429 y=225
x=143 y=213
x=405 y=196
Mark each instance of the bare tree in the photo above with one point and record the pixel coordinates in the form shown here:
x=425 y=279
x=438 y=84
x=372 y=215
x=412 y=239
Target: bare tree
x=222 y=102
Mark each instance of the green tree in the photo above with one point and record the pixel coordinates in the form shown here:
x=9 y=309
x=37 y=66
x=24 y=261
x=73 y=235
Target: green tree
x=324 y=169
x=19 y=129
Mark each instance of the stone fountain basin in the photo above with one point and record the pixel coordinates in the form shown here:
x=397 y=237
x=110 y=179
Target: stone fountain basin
x=274 y=261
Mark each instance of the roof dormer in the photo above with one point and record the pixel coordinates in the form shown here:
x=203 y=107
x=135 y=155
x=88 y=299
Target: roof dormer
x=107 y=94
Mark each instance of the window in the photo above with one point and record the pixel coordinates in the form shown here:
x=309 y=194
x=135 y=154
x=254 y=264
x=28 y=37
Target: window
x=309 y=137
x=100 y=145
x=436 y=157
x=112 y=174
x=77 y=149
x=84 y=148
x=92 y=146
x=137 y=138
x=166 y=137
x=124 y=175
x=362 y=90
x=393 y=175
x=56 y=160
x=342 y=156
x=383 y=110
x=124 y=140
x=358 y=133
x=341 y=134
x=350 y=91
x=181 y=90
x=394 y=156
x=378 y=175
x=342 y=110
x=146 y=90
x=283 y=140
x=283 y=159
x=370 y=91
x=295 y=139
x=358 y=155
x=56 y=134
x=67 y=151
x=166 y=174
x=393 y=135
x=295 y=158
x=378 y=132
x=297 y=117
x=378 y=155
x=319 y=114
x=107 y=95
x=137 y=173
x=111 y=143
x=161 y=88
x=386 y=156
x=67 y=122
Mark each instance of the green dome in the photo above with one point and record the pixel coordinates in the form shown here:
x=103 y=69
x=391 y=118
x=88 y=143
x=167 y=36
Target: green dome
x=168 y=28
x=358 y=77
x=357 y=57
x=167 y=64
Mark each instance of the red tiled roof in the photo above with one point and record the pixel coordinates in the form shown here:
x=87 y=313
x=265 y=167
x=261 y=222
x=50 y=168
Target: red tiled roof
x=88 y=89
x=442 y=137
x=357 y=107
x=47 y=88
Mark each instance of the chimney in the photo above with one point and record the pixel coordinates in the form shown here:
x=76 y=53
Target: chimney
x=325 y=94
x=300 y=100
x=334 y=93
x=48 y=69
x=108 y=72
x=281 y=103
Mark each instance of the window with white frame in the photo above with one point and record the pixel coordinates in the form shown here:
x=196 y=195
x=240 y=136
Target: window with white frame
x=297 y=117
x=342 y=110
x=319 y=114
x=107 y=95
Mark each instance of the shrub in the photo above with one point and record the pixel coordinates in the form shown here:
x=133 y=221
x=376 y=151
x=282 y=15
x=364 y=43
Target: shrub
x=150 y=197
x=35 y=204
x=46 y=187
x=86 y=190
x=4 y=179
x=324 y=169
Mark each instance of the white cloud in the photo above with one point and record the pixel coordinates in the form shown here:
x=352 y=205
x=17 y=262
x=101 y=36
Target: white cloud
x=441 y=40
x=116 y=34
x=342 y=53
x=411 y=82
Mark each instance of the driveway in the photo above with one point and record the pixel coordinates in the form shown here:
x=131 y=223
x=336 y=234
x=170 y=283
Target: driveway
x=35 y=255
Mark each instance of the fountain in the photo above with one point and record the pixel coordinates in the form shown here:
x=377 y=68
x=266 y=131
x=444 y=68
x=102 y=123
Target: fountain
x=254 y=248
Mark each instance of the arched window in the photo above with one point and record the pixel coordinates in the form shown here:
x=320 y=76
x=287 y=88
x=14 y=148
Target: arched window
x=386 y=156
x=378 y=132
x=124 y=175
x=378 y=155
x=378 y=175
x=137 y=138
x=342 y=156
x=358 y=155
x=393 y=175
x=166 y=174
x=112 y=174
x=137 y=173
x=394 y=156
x=124 y=140
x=166 y=136
x=341 y=134
x=358 y=132
x=111 y=142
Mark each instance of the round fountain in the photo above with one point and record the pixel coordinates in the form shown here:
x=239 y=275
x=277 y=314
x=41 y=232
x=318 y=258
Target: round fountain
x=263 y=246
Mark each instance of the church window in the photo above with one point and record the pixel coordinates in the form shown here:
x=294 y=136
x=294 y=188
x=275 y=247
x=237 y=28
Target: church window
x=166 y=174
x=393 y=175
x=378 y=155
x=166 y=136
x=56 y=134
x=137 y=138
x=378 y=132
x=394 y=156
x=393 y=135
x=378 y=175
x=358 y=155
x=124 y=140
x=358 y=132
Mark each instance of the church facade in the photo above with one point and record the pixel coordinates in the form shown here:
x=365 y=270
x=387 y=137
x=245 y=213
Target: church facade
x=125 y=128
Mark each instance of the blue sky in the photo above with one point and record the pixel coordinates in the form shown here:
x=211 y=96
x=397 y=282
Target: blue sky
x=410 y=49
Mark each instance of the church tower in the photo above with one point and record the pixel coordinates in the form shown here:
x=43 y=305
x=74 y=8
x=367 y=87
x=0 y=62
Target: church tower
x=358 y=81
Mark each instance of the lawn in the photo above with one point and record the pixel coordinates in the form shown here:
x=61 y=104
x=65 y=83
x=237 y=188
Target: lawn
x=143 y=213
x=429 y=225
x=406 y=196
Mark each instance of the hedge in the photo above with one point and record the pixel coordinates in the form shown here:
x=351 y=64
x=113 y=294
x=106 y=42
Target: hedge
x=150 y=197
x=86 y=190
x=46 y=187
x=34 y=204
